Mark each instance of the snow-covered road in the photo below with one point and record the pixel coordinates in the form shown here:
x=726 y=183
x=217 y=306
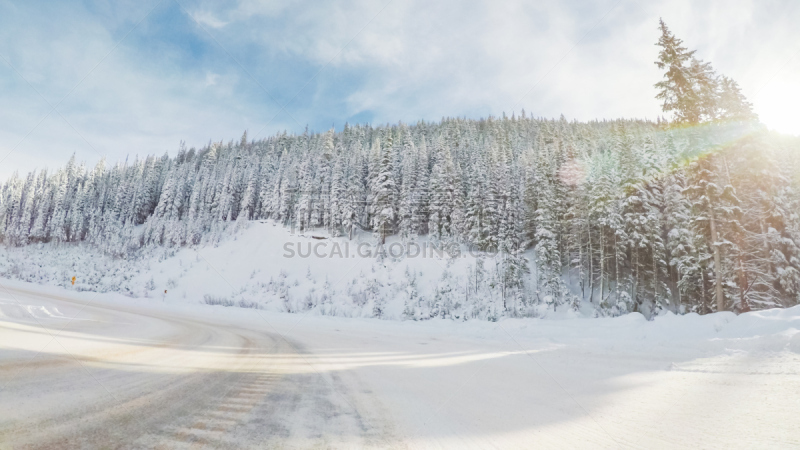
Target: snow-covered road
x=143 y=378
x=86 y=370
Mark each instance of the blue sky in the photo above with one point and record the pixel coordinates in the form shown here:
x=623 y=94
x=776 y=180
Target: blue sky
x=125 y=78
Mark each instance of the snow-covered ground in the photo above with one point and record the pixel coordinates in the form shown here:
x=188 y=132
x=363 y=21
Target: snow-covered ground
x=268 y=266
x=79 y=368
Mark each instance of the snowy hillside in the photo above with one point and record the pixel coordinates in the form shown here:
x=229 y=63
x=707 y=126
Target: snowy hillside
x=265 y=266
x=601 y=218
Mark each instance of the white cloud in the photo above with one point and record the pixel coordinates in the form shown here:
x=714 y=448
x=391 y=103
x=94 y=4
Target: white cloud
x=208 y=19
x=126 y=105
x=428 y=59
x=412 y=60
x=211 y=79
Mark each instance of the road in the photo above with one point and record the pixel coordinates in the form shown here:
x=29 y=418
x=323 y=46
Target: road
x=137 y=378
x=85 y=371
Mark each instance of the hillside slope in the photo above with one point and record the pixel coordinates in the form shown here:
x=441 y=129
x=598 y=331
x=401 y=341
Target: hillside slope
x=629 y=215
x=264 y=265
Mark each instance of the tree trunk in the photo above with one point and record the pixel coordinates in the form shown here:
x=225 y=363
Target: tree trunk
x=743 y=288
x=580 y=265
x=703 y=290
x=767 y=254
x=655 y=276
x=717 y=265
x=635 y=284
x=602 y=263
x=591 y=268
x=616 y=269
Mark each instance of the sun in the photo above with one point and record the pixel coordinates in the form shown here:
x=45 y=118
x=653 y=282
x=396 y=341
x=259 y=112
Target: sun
x=776 y=106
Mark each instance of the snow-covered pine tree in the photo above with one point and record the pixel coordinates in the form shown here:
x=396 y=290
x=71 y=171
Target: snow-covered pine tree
x=384 y=206
x=639 y=212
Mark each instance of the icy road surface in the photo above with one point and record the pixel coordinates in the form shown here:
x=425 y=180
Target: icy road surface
x=79 y=370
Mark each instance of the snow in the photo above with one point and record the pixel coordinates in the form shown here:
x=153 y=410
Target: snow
x=572 y=380
x=718 y=380
x=251 y=268
x=636 y=230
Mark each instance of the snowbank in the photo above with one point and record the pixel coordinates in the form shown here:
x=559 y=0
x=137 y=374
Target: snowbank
x=268 y=267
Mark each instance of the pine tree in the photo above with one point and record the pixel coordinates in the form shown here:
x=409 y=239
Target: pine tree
x=731 y=103
x=384 y=204
x=714 y=207
x=611 y=208
x=676 y=91
x=446 y=202
x=691 y=89
x=409 y=204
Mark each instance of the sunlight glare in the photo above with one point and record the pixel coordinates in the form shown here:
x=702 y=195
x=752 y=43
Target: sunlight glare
x=776 y=106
